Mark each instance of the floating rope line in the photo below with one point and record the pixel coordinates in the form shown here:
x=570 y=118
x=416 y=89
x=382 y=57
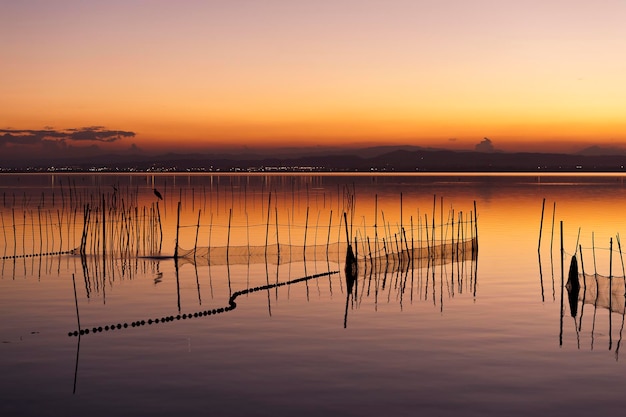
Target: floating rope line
x=166 y=319
x=37 y=255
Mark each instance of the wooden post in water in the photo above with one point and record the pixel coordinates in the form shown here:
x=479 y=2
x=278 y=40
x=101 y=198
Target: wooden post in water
x=452 y=247
x=406 y=244
x=562 y=287
x=230 y=216
x=267 y=228
x=401 y=218
x=76 y=302
x=177 y=227
x=593 y=250
x=543 y=206
x=345 y=219
x=552 y=233
x=442 y=251
x=475 y=227
x=376 y=224
x=582 y=266
x=330 y=221
x=610 y=293
x=277 y=240
x=195 y=245
x=104 y=234
x=14 y=234
x=562 y=258
x=211 y=231
x=160 y=226
x=619 y=247
x=426 y=229
x=412 y=242
x=306 y=228
x=432 y=234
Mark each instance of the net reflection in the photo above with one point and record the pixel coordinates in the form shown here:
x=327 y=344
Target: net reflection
x=391 y=279
x=604 y=294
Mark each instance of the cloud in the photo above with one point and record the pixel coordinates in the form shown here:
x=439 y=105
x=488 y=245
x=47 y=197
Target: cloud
x=485 y=146
x=33 y=137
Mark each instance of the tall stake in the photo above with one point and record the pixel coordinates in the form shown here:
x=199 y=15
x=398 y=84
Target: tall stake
x=104 y=233
x=267 y=228
x=277 y=240
x=401 y=228
x=177 y=227
x=230 y=216
x=619 y=247
x=195 y=246
x=543 y=207
x=160 y=226
x=610 y=292
x=552 y=233
x=345 y=218
x=330 y=220
x=562 y=285
x=76 y=301
x=306 y=228
x=475 y=227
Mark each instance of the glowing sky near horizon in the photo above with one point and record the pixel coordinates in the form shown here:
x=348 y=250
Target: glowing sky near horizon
x=535 y=74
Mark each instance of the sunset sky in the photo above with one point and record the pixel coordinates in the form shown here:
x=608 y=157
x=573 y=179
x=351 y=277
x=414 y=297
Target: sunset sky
x=530 y=75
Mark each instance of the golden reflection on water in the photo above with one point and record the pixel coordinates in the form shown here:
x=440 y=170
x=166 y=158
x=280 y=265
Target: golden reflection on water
x=421 y=326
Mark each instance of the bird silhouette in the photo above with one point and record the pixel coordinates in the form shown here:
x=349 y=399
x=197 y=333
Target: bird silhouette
x=157 y=193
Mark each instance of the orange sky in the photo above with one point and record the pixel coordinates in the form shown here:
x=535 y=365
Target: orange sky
x=249 y=73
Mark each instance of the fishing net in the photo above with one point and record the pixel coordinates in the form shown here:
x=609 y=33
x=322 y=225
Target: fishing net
x=367 y=253
x=602 y=291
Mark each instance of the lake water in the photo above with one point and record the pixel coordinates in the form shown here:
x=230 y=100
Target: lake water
x=244 y=330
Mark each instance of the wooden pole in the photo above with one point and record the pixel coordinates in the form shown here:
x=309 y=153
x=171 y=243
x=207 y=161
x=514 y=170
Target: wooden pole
x=401 y=228
x=412 y=242
x=76 y=302
x=104 y=237
x=441 y=242
x=582 y=266
x=277 y=240
x=230 y=216
x=177 y=231
x=552 y=234
x=619 y=247
x=210 y=232
x=160 y=226
x=330 y=221
x=475 y=227
x=345 y=219
x=306 y=228
x=267 y=228
x=433 y=230
x=610 y=293
x=543 y=207
x=15 y=233
x=562 y=286
x=195 y=245
x=593 y=250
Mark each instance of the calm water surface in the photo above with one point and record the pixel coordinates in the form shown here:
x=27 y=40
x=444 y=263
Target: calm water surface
x=479 y=335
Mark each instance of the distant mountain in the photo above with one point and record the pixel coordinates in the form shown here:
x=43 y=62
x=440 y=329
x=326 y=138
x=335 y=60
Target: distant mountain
x=602 y=150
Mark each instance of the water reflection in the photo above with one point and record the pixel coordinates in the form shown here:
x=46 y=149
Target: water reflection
x=605 y=293
x=454 y=274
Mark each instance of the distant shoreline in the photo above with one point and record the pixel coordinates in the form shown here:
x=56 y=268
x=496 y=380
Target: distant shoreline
x=395 y=161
